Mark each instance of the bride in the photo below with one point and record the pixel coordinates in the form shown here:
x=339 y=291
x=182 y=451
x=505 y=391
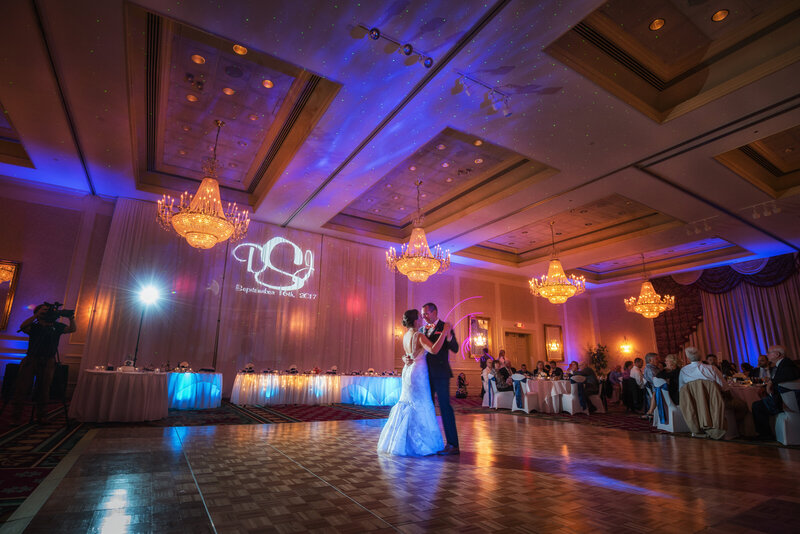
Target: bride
x=412 y=429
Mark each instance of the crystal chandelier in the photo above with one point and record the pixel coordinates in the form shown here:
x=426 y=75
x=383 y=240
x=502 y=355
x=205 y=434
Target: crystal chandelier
x=200 y=219
x=6 y=273
x=649 y=304
x=556 y=286
x=416 y=260
x=553 y=346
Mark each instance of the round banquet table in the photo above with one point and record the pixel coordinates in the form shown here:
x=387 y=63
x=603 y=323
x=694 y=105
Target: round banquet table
x=748 y=394
x=102 y=396
x=549 y=393
x=194 y=391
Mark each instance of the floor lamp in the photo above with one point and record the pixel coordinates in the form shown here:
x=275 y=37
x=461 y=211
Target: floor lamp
x=147 y=295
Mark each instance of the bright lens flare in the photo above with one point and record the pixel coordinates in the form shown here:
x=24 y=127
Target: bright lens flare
x=148 y=294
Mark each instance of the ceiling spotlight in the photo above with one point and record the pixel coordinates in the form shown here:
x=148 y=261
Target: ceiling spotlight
x=445 y=165
x=466 y=89
x=253 y=117
x=242 y=143
x=448 y=179
x=197 y=58
x=440 y=147
x=186 y=127
x=408 y=49
x=239 y=49
x=477 y=142
x=497 y=104
x=688 y=231
x=428 y=62
x=268 y=84
x=191 y=98
x=374 y=34
x=506 y=108
x=228 y=91
x=767 y=213
x=412 y=168
x=696 y=230
x=478 y=161
x=720 y=15
x=182 y=152
x=706 y=227
x=756 y=215
x=657 y=24
x=776 y=208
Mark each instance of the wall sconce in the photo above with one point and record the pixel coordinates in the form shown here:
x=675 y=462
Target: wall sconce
x=626 y=347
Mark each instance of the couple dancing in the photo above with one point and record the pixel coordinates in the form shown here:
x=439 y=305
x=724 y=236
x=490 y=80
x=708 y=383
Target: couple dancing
x=412 y=429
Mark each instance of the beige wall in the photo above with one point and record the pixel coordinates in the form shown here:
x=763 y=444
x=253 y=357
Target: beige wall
x=59 y=238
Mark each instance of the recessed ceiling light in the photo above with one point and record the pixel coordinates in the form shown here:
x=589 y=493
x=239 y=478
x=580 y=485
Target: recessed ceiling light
x=242 y=143
x=239 y=49
x=720 y=15
x=268 y=84
x=228 y=91
x=253 y=117
x=412 y=168
x=186 y=127
x=402 y=208
x=232 y=165
x=376 y=210
x=478 y=161
x=388 y=186
x=448 y=179
x=423 y=195
x=440 y=147
x=370 y=200
x=396 y=197
x=197 y=58
x=788 y=150
x=182 y=152
x=657 y=24
x=445 y=165
x=477 y=142
x=191 y=98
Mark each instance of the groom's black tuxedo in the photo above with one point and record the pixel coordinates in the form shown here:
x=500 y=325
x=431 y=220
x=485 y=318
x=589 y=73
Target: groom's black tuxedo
x=439 y=363
x=439 y=375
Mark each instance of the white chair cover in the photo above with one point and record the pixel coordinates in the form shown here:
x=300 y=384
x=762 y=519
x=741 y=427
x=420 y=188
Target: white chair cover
x=675 y=421
x=501 y=399
x=787 y=423
x=570 y=401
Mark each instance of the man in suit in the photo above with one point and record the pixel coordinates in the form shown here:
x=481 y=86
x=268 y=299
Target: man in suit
x=439 y=374
x=772 y=404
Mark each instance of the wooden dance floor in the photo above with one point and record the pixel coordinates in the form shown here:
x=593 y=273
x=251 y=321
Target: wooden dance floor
x=515 y=474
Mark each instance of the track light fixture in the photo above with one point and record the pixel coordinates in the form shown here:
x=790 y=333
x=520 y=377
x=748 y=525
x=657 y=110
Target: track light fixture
x=406 y=49
x=763 y=209
x=697 y=227
x=498 y=99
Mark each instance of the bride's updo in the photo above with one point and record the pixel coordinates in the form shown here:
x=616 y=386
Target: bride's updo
x=410 y=317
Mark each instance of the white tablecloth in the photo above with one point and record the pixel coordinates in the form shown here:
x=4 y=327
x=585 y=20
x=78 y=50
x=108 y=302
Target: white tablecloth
x=195 y=391
x=102 y=396
x=371 y=390
x=549 y=393
x=265 y=388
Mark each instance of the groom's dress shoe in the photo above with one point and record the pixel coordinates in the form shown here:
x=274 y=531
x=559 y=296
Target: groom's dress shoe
x=448 y=451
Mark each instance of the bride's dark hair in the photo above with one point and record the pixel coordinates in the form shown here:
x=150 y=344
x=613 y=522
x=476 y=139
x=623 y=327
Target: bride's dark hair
x=410 y=317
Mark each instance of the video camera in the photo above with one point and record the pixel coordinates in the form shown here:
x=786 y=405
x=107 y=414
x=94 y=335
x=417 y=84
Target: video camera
x=54 y=313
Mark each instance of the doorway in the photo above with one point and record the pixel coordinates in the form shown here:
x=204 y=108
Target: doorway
x=518 y=348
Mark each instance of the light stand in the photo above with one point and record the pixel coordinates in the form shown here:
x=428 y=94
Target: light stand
x=148 y=295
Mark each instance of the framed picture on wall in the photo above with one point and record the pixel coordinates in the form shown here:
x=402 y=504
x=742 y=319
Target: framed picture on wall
x=9 y=275
x=478 y=335
x=553 y=342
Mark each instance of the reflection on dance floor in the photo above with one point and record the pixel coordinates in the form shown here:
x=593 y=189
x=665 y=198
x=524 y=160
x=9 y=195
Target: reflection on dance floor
x=545 y=475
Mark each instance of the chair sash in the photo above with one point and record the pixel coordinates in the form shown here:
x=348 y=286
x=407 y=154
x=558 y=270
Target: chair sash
x=581 y=393
x=661 y=403
x=518 y=391
x=490 y=388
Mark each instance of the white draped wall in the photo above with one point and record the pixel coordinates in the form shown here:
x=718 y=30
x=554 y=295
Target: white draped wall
x=340 y=313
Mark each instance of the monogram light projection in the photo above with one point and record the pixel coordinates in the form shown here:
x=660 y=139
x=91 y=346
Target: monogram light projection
x=271 y=278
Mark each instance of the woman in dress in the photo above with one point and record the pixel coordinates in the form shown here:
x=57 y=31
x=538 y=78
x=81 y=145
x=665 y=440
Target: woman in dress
x=412 y=429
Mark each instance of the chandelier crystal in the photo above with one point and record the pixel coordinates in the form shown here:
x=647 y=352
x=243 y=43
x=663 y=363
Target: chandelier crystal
x=556 y=286
x=416 y=260
x=6 y=273
x=200 y=218
x=649 y=303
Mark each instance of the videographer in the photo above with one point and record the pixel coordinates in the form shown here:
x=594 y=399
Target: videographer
x=44 y=331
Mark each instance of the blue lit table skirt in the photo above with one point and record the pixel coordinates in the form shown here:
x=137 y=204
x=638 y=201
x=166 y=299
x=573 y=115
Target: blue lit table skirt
x=195 y=391
x=264 y=389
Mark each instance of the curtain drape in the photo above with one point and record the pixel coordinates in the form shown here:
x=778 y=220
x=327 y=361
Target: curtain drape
x=287 y=297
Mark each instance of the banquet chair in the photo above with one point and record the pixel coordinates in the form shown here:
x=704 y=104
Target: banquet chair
x=787 y=423
x=598 y=402
x=486 y=394
x=500 y=399
x=674 y=419
x=570 y=402
x=530 y=401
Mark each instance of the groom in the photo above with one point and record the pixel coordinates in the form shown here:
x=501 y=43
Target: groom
x=439 y=374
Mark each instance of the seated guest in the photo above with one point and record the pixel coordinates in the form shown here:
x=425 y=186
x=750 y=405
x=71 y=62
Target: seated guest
x=670 y=373
x=727 y=368
x=541 y=370
x=571 y=368
x=461 y=391
x=711 y=359
x=591 y=386
x=651 y=368
x=785 y=371
x=747 y=369
x=503 y=375
x=615 y=382
x=555 y=370
x=487 y=373
x=701 y=401
x=764 y=369
x=637 y=374
x=523 y=370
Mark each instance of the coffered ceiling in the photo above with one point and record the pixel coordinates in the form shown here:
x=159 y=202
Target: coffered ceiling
x=679 y=143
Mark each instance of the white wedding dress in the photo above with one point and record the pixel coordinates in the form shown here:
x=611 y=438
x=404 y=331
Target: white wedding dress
x=412 y=429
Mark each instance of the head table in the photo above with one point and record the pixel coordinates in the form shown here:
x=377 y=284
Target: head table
x=102 y=396
x=270 y=388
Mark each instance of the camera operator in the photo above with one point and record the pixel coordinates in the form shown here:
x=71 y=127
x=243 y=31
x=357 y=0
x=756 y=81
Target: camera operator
x=44 y=331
